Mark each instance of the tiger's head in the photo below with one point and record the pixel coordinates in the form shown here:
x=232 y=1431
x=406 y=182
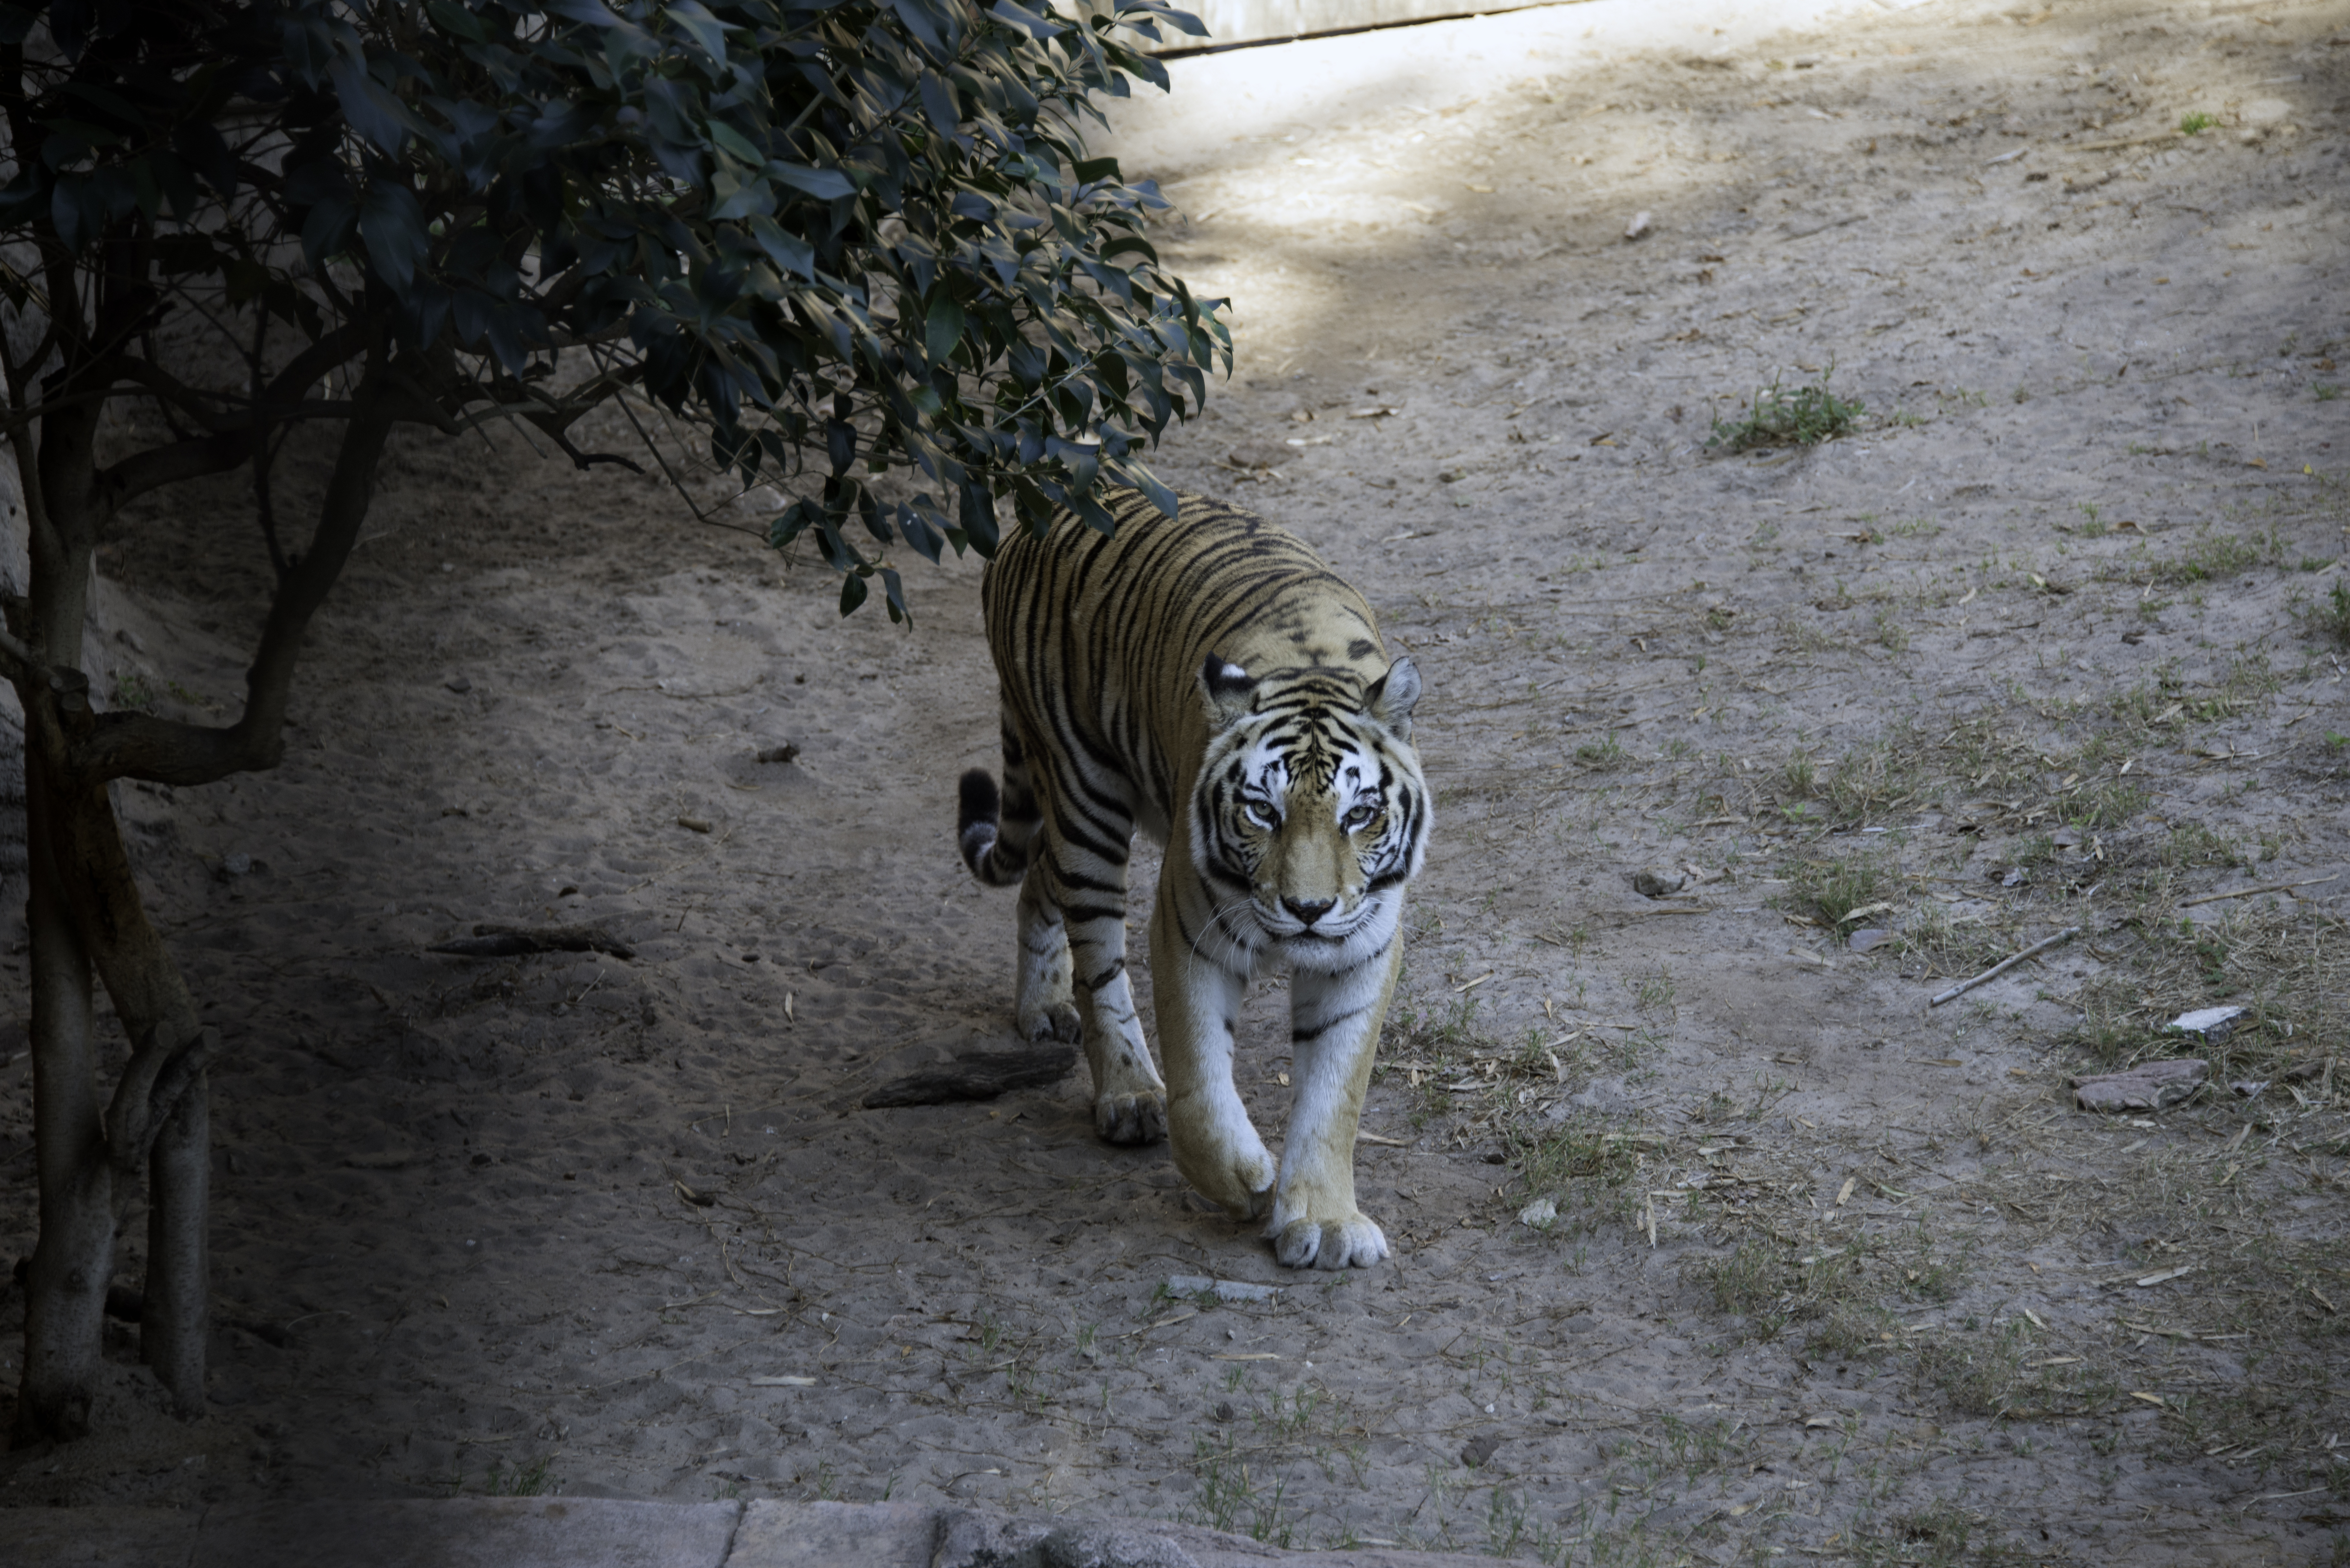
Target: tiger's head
x=1310 y=813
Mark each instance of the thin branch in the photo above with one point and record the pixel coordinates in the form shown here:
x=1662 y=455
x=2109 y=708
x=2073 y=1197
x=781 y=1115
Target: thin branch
x=140 y=745
x=2002 y=966
x=265 y=506
x=226 y=449
x=264 y=452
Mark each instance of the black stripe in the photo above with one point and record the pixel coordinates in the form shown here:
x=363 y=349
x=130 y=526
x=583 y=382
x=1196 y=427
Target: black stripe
x=1303 y=1036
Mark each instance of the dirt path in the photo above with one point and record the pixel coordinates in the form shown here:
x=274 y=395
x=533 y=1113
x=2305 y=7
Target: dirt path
x=2049 y=637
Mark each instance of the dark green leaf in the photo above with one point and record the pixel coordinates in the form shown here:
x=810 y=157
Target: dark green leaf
x=825 y=184
x=942 y=328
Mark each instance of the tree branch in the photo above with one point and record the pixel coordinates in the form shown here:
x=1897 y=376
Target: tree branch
x=232 y=447
x=140 y=745
x=156 y=1078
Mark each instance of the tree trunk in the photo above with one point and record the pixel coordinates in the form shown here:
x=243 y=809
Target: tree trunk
x=74 y=1259
x=177 y=1320
x=88 y=916
x=157 y=1124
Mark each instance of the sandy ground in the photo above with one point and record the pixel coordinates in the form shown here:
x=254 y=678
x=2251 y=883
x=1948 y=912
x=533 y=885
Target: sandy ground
x=2037 y=642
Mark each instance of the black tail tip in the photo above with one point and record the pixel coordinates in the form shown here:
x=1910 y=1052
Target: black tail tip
x=980 y=801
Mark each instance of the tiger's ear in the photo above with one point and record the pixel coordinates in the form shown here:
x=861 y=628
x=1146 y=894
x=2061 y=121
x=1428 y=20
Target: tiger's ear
x=1391 y=696
x=1227 y=689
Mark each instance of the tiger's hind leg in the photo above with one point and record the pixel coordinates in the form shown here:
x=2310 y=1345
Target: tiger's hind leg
x=1043 y=1001
x=993 y=830
x=997 y=835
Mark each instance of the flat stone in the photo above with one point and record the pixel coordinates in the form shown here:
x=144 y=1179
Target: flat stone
x=822 y=1534
x=605 y=1532
x=2149 y=1086
x=468 y=1532
x=96 y=1537
x=1225 y=1290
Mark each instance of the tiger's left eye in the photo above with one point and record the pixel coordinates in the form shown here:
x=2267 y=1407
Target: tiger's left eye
x=1261 y=815
x=1360 y=817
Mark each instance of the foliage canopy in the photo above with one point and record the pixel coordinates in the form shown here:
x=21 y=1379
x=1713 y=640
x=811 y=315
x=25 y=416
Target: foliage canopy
x=862 y=234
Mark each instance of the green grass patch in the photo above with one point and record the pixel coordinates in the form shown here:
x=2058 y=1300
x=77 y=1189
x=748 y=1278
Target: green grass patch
x=2329 y=617
x=1798 y=416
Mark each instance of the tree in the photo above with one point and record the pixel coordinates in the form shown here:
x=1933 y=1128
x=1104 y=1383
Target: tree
x=850 y=240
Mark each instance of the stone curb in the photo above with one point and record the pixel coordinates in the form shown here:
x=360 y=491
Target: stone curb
x=606 y=1532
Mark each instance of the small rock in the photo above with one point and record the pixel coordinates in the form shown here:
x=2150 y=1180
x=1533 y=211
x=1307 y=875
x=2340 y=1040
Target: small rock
x=1868 y=939
x=2014 y=878
x=2214 y=1023
x=1224 y=1289
x=2303 y=1072
x=1224 y=1411
x=1448 y=475
x=1657 y=885
x=693 y=824
x=458 y=684
x=2149 y=1086
x=783 y=753
x=2249 y=1088
x=2267 y=113
x=1478 y=1449
x=237 y=864
x=1541 y=1214
x=1642 y=222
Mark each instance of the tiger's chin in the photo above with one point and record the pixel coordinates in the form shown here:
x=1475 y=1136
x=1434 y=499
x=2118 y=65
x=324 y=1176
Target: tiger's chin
x=1326 y=948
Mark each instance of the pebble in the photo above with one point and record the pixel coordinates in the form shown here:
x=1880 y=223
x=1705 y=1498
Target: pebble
x=1225 y=1290
x=2211 y=1023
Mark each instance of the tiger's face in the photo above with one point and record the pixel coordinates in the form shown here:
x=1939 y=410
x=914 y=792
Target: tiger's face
x=1310 y=814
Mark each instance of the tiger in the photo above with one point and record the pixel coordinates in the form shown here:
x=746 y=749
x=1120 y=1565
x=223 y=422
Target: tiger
x=1206 y=678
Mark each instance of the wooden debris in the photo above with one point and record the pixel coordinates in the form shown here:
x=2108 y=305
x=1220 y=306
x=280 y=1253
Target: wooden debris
x=2003 y=965
x=512 y=941
x=975 y=1075
x=2249 y=892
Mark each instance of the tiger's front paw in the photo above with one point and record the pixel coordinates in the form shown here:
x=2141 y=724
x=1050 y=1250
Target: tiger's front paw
x=1218 y=1151
x=1053 y=1021
x=1129 y=1118
x=1349 y=1241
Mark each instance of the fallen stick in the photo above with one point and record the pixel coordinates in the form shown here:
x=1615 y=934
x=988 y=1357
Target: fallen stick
x=2111 y=143
x=512 y=941
x=2003 y=965
x=2248 y=892
x=975 y=1075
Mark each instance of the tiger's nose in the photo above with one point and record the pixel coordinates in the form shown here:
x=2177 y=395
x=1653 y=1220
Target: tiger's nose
x=1309 y=909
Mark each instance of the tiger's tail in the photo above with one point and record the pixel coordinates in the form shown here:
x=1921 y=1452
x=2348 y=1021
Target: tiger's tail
x=993 y=831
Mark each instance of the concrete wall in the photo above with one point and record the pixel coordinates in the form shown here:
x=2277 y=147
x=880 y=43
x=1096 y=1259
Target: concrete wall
x=1252 y=21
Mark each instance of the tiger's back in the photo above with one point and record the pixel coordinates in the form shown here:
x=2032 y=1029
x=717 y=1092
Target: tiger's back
x=1207 y=680
x=1099 y=640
